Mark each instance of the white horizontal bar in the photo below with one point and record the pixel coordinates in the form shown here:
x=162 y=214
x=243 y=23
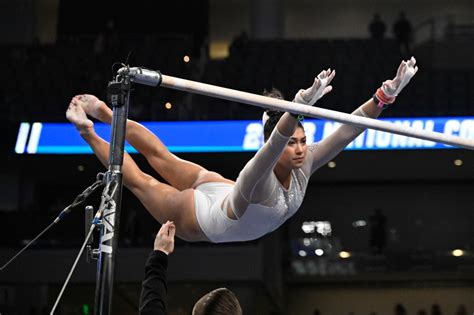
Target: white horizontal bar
x=312 y=111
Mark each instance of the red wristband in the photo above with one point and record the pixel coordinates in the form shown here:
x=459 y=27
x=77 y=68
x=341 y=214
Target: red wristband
x=381 y=100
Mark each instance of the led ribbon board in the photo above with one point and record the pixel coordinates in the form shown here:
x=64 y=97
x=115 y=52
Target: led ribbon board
x=234 y=135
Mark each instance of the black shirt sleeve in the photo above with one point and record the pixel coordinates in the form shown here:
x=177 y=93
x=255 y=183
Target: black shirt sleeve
x=154 y=287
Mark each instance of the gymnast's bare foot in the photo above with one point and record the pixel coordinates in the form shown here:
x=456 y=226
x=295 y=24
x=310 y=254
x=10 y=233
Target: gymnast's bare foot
x=94 y=107
x=76 y=115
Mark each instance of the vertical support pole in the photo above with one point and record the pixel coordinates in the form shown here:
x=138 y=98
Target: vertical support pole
x=118 y=97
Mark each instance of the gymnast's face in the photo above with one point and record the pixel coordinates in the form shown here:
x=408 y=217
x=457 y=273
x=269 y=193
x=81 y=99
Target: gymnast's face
x=295 y=151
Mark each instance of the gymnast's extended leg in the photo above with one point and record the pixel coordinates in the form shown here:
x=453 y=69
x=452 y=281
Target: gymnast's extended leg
x=179 y=173
x=163 y=201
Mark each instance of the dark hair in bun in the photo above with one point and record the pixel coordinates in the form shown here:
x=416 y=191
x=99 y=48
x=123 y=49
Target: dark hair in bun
x=273 y=115
x=275 y=93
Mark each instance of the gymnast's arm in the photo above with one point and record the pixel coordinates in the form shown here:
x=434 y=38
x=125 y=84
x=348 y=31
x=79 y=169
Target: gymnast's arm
x=325 y=150
x=254 y=177
x=328 y=148
x=254 y=181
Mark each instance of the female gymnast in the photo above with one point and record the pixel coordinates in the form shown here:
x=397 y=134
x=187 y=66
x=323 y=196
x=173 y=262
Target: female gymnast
x=204 y=205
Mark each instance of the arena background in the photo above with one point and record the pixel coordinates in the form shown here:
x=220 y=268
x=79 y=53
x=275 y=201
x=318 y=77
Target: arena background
x=52 y=50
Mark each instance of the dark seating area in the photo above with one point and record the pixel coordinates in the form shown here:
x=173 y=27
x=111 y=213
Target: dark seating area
x=38 y=81
x=361 y=66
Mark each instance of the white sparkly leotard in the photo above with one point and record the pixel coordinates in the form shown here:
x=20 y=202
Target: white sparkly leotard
x=262 y=201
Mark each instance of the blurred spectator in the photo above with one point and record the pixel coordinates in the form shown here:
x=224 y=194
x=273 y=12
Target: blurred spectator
x=403 y=31
x=378 y=231
x=377 y=27
x=461 y=310
x=108 y=40
x=436 y=310
x=238 y=43
x=422 y=312
x=400 y=309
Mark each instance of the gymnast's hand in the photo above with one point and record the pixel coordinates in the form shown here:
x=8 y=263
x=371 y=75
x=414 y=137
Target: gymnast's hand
x=164 y=240
x=405 y=72
x=319 y=88
x=389 y=90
